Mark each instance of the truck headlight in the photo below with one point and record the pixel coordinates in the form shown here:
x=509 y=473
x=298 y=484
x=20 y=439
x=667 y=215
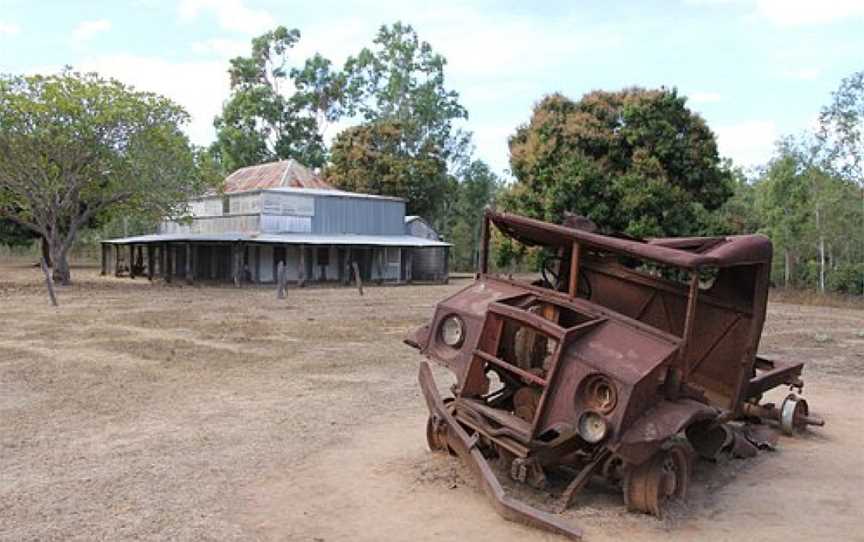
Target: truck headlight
x=592 y=427
x=597 y=393
x=453 y=331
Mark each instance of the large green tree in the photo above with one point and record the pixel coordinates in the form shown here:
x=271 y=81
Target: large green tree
x=635 y=161
x=274 y=110
x=398 y=88
x=841 y=134
x=476 y=189
x=75 y=147
x=810 y=212
x=374 y=158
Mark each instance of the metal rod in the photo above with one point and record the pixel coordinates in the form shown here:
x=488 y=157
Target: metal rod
x=574 y=270
x=689 y=324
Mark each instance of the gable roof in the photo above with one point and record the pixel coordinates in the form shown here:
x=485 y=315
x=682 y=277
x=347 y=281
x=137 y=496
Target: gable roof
x=281 y=174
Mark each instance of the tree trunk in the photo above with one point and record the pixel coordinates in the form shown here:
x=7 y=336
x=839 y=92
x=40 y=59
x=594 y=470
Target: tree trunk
x=60 y=267
x=46 y=252
x=822 y=264
x=821 y=251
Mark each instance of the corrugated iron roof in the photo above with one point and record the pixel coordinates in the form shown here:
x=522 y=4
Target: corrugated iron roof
x=333 y=192
x=285 y=238
x=281 y=174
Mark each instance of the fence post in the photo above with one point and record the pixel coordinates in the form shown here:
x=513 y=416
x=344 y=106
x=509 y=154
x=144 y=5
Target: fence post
x=357 y=278
x=281 y=275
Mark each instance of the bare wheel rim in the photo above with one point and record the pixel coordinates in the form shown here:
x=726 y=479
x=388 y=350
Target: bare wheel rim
x=433 y=437
x=665 y=477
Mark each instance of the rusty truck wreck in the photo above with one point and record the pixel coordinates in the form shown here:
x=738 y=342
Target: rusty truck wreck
x=625 y=356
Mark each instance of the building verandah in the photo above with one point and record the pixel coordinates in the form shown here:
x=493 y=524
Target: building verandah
x=244 y=261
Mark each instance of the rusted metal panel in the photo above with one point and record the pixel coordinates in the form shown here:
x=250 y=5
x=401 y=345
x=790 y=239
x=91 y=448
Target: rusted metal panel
x=284 y=173
x=734 y=250
x=608 y=370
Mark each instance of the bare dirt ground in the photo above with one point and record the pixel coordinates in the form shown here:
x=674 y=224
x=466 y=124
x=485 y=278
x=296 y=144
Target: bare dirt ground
x=146 y=411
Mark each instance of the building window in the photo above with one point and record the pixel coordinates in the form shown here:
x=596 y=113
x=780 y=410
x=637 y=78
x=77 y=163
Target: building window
x=226 y=205
x=323 y=255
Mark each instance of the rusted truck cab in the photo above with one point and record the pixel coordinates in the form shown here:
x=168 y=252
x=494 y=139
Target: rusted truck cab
x=606 y=364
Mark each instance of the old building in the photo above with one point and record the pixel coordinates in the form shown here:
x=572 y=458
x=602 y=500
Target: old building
x=283 y=212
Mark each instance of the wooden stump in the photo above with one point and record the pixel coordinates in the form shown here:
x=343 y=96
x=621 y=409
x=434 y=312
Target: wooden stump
x=301 y=267
x=235 y=264
x=188 y=261
x=281 y=279
x=150 y=263
x=357 y=278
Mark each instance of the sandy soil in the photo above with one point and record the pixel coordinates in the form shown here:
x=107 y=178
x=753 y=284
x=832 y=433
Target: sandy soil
x=146 y=411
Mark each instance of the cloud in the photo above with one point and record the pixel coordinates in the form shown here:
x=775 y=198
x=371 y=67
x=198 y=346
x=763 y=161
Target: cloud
x=200 y=87
x=808 y=12
x=232 y=15
x=490 y=141
x=748 y=143
x=86 y=30
x=8 y=29
x=790 y=12
x=222 y=48
x=804 y=74
x=705 y=97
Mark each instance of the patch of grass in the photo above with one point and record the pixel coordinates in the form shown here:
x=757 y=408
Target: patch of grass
x=812 y=297
x=822 y=338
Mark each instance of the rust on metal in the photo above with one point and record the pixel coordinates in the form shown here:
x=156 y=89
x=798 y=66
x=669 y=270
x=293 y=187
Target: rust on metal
x=281 y=174
x=619 y=360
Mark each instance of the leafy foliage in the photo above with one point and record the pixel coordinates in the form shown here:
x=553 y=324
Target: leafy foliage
x=408 y=142
x=259 y=122
x=75 y=147
x=841 y=129
x=635 y=161
x=372 y=158
x=14 y=234
x=477 y=188
x=402 y=79
x=811 y=215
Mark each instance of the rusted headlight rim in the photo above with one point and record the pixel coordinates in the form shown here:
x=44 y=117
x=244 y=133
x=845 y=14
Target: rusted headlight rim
x=452 y=319
x=598 y=393
x=592 y=427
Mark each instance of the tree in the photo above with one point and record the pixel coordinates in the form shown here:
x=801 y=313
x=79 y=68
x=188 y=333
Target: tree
x=265 y=119
x=374 y=158
x=738 y=215
x=810 y=214
x=635 y=161
x=398 y=88
x=15 y=235
x=74 y=147
x=477 y=188
x=841 y=134
x=402 y=79
x=319 y=90
x=783 y=203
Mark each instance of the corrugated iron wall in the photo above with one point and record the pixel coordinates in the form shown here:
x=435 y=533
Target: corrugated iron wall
x=272 y=212
x=358 y=215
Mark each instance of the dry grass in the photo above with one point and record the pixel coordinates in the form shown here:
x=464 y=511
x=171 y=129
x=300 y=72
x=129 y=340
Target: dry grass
x=140 y=410
x=812 y=297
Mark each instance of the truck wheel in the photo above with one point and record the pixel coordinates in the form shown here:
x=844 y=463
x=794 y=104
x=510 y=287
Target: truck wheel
x=436 y=434
x=649 y=487
x=793 y=413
